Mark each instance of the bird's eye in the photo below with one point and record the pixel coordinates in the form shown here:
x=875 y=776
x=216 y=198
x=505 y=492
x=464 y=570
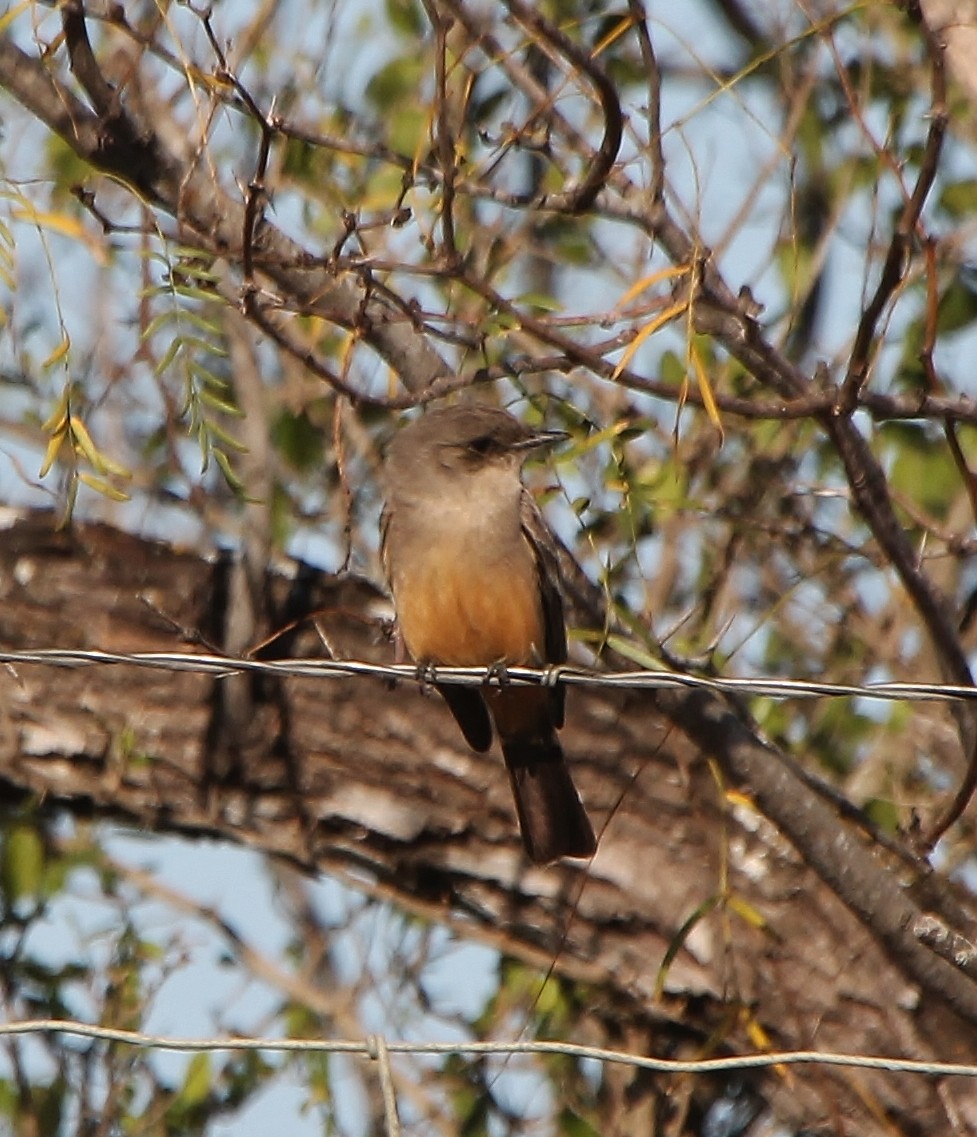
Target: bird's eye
x=484 y=444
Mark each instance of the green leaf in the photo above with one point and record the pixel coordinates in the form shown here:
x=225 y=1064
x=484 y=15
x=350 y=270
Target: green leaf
x=539 y=301
x=396 y=82
x=671 y=369
x=168 y=356
x=921 y=467
x=571 y=1124
x=190 y=292
x=406 y=17
x=227 y=470
x=959 y=199
x=678 y=940
x=48 y=1106
x=198 y=1081
x=224 y=436
x=209 y=399
x=636 y=653
x=209 y=347
x=319 y=1078
x=23 y=862
x=884 y=813
x=194 y=268
x=299 y=440
x=211 y=386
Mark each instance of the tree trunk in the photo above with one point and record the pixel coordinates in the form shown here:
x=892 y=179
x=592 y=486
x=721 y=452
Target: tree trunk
x=374 y=785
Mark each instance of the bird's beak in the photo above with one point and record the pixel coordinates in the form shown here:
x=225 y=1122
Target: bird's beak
x=542 y=438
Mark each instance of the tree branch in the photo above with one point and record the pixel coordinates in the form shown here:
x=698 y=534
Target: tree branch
x=211 y=220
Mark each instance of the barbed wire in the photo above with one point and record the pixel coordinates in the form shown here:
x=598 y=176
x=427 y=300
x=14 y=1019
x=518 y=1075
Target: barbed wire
x=639 y=679
x=375 y=1046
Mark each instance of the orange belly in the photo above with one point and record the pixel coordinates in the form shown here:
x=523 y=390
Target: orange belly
x=459 y=616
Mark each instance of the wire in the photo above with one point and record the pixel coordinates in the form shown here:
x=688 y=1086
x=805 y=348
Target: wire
x=376 y=1048
x=221 y=665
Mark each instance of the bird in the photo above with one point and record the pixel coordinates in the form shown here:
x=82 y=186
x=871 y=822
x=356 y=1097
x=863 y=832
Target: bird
x=475 y=577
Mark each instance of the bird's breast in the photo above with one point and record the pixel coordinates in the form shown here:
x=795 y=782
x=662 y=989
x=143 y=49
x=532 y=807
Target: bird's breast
x=469 y=599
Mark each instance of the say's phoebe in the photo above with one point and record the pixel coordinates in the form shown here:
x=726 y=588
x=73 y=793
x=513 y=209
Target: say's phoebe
x=476 y=583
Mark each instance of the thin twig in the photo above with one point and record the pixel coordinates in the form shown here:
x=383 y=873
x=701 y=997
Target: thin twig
x=600 y=165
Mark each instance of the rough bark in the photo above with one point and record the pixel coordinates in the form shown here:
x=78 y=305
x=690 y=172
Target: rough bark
x=373 y=784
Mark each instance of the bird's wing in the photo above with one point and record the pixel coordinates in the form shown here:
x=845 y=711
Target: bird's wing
x=543 y=545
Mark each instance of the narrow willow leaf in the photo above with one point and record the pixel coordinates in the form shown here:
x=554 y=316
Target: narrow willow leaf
x=101 y=486
x=708 y=396
x=8 y=17
x=168 y=356
x=157 y=323
x=210 y=380
x=648 y=330
x=54 y=445
x=746 y=911
x=61 y=223
x=189 y=292
x=650 y=281
x=635 y=653
x=58 y=419
x=219 y=404
x=207 y=346
x=678 y=941
x=226 y=469
x=228 y=439
x=79 y=433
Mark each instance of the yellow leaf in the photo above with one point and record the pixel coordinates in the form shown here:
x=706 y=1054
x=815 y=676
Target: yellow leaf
x=8 y=17
x=101 y=463
x=758 y=1036
x=52 y=47
x=209 y=79
x=745 y=910
x=58 y=354
x=761 y=1040
x=425 y=139
x=708 y=397
x=53 y=447
x=64 y=224
x=58 y=419
x=58 y=222
x=653 y=278
x=113 y=467
x=100 y=485
x=649 y=329
x=598 y=437
x=614 y=34
x=736 y=797
x=84 y=440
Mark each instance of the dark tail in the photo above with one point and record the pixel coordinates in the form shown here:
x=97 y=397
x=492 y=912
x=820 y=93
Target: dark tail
x=471 y=714
x=552 y=818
